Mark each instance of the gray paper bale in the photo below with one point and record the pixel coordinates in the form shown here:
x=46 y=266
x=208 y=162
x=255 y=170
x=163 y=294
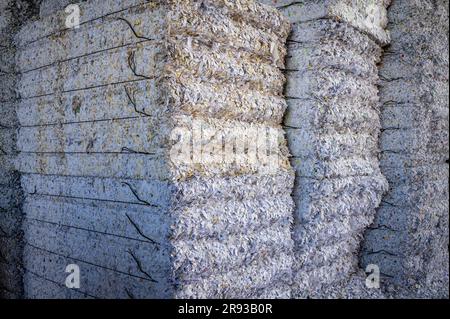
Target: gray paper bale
x=102 y=119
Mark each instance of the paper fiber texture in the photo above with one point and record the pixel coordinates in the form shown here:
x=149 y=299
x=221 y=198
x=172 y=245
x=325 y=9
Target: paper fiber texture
x=102 y=112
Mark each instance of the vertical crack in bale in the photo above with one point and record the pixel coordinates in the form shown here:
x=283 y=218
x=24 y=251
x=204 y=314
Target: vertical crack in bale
x=409 y=240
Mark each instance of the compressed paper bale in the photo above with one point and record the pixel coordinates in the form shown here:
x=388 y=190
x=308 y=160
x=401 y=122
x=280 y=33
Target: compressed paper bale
x=123 y=165
x=239 y=187
x=403 y=13
x=10 y=275
x=218 y=101
x=6 y=60
x=418 y=158
x=330 y=146
x=424 y=217
x=410 y=140
x=334 y=54
x=342 y=229
x=216 y=65
x=351 y=166
x=12 y=14
x=333 y=125
x=391 y=241
x=94 y=104
x=335 y=187
x=138 y=135
x=276 y=291
x=155 y=192
x=407 y=194
x=337 y=198
x=413 y=91
x=213 y=63
x=7 y=141
x=367 y=16
x=216 y=27
x=311 y=284
x=123 y=255
x=417 y=204
x=228 y=253
x=114 y=33
x=408 y=36
x=416 y=175
x=233 y=216
x=123 y=220
x=114 y=30
x=12 y=254
x=8 y=116
x=96 y=281
x=317 y=255
x=44 y=288
x=395 y=242
x=433 y=258
x=408 y=117
x=9 y=177
x=55 y=22
x=390 y=265
x=7 y=162
x=310 y=275
x=9 y=197
x=354 y=288
x=329 y=31
x=330 y=85
x=109 y=67
x=346 y=220
x=397 y=218
x=7 y=92
x=232 y=133
x=330 y=55
x=399 y=65
x=190 y=56
x=7 y=23
x=10 y=222
x=261 y=274
x=317 y=115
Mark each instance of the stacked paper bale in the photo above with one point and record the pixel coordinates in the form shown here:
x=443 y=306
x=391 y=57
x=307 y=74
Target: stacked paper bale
x=99 y=107
x=410 y=241
x=232 y=218
x=12 y=13
x=91 y=152
x=9 y=184
x=333 y=128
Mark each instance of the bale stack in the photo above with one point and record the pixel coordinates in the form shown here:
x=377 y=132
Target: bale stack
x=333 y=128
x=104 y=110
x=12 y=13
x=232 y=216
x=10 y=198
x=91 y=152
x=410 y=237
